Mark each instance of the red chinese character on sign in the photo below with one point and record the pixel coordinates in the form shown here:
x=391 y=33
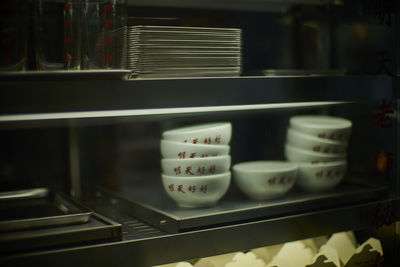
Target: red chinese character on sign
x=383 y=214
x=68 y=40
x=212 y=169
x=110 y=57
x=383 y=11
x=329 y=174
x=382 y=117
x=107 y=26
x=68 y=24
x=282 y=180
x=326 y=150
x=107 y=9
x=192 y=155
x=203 y=156
x=319 y=174
x=203 y=188
x=185 y=141
x=322 y=135
x=177 y=170
x=195 y=141
x=68 y=6
x=108 y=41
x=68 y=59
x=180 y=189
x=201 y=170
x=192 y=188
x=290 y=179
x=207 y=140
x=332 y=136
x=381 y=62
x=171 y=187
x=272 y=181
x=383 y=164
x=182 y=155
x=189 y=170
x=218 y=139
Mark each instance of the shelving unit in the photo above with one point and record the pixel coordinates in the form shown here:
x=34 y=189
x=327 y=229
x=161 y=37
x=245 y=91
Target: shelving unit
x=71 y=101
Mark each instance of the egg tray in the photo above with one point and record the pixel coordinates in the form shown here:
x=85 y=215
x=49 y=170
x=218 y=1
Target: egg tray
x=150 y=203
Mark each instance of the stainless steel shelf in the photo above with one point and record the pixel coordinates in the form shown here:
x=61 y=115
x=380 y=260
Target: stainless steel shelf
x=146 y=246
x=27 y=100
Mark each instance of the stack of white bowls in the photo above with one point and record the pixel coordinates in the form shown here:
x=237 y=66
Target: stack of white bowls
x=196 y=163
x=318 y=145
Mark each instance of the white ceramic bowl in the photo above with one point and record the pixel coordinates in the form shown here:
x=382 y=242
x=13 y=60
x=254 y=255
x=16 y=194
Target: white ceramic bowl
x=325 y=127
x=261 y=180
x=320 y=177
x=312 y=143
x=218 y=133
x=295 y=154
x=173 y=149
x=196 y=166
x=196 y=191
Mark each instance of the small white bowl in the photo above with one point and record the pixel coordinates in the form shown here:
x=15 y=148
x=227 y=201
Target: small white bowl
x=262 y=180
x=295 y=154
x=208 y=133
x=312 y=143
x=196 y=166
x=321 y=176
x=196 y=191
x=173 y=149
x=325 y=127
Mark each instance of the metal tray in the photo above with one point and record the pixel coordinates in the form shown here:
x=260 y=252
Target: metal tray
x=98 y=229
x=39 y=207
x=149 y=203
x=31 y=75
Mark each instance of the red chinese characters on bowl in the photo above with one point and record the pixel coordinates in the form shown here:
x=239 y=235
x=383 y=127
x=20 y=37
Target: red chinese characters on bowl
x=321 y=176
x=174 y=149
x=196 y=166
x=263 y=180
x=218 y=133
x=196 y=191
x=315 y=144
x=321 y=126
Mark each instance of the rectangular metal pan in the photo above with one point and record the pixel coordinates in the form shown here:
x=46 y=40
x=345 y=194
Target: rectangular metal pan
x=37 y=208
x=98 y=229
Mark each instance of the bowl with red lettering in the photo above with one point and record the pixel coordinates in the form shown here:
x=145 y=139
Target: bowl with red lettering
x=263 y=180
x=196 y=191
x=218 y=133
x=174 y=149
x=295 y=154
x=321 y=126
x=196 y=166
x=321 y=176
x=308 y=142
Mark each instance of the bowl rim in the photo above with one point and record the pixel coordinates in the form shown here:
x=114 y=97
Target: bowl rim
x=197 y=128
x=198 y=178
x=304 y=121
x=313 y=153
x=314 y=138
x=322 y=164
x=211 y=158
x=287 y=166
x=208 y=146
